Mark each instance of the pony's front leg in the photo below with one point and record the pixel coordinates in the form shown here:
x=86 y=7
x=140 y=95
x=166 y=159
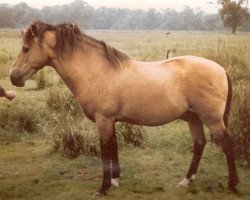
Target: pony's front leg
x=116 y=171
x=106 y=130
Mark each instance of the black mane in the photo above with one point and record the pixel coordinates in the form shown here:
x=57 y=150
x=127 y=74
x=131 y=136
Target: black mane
x=68 y=38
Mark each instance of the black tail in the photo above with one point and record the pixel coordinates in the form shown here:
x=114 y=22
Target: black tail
x=228 y=103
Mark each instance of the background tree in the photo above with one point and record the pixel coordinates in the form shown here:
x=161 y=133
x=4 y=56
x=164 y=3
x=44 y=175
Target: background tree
x=233 y=13
x=23 y=14
x=88 y=17
x=6 y=17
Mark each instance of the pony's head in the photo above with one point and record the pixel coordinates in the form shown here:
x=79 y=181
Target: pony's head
x=42 y=43
x=32 y=56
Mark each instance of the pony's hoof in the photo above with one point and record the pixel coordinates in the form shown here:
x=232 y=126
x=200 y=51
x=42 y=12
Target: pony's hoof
x=184 y=183
x=98 y=194
x=115 y=182
x=192 y=177
x=232 y=185
x=233 y=189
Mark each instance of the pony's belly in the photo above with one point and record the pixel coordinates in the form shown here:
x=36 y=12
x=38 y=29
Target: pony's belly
x=148 y=116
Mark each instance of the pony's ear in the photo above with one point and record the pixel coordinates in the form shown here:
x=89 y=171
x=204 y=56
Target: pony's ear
x=34 y=30
x=22 y=33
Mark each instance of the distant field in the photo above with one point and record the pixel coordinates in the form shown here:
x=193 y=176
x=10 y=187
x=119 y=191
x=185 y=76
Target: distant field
x=31 y=124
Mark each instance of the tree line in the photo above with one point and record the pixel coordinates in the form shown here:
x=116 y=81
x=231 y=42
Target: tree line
x=88 y=17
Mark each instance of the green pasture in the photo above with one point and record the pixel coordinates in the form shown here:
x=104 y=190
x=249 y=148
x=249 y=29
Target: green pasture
x=35 y=165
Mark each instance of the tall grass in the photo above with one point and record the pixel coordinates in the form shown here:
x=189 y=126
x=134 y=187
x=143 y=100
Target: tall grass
x=3 y=58
x=240 y=120
x=237 y=66
x=61 y=100
x=41 y=80
x=5 y=61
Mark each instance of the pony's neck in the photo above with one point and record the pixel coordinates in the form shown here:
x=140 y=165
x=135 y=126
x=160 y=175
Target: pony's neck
x=82 y=68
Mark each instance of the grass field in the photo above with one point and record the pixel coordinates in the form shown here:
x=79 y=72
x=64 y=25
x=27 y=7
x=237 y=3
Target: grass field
x=30 y=168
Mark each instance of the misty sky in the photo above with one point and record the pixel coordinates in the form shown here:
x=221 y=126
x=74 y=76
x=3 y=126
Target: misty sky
x=132 y=4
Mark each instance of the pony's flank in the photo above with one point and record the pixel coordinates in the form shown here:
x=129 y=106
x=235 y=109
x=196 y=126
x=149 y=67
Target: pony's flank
x=69 y=38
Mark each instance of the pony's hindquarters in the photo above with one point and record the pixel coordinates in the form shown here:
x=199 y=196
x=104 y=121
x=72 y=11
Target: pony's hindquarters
x=208 y=90
x=222 y=138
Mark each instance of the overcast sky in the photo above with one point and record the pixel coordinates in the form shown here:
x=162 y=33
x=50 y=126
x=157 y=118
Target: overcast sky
x=132 y=4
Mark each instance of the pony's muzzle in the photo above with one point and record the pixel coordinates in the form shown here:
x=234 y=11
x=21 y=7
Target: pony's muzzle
x=16 y=78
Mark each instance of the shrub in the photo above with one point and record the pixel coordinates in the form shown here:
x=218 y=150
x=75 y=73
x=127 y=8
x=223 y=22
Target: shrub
x=26 y=122
x=4 y=117
x=129 y=134
x=74 y=137
x=18 y=119
x=72 y=140
x=72 y=144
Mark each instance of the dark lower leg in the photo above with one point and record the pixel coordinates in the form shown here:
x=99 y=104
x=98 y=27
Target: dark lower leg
x=198 y=149
x=197 y=131
x=106 y=160
x=116 y=171
x=227 y=147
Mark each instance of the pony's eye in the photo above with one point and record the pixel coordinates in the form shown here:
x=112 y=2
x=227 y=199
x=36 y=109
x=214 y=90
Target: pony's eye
x=25 y=49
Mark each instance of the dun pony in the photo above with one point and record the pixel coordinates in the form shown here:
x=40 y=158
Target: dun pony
x=112 y=87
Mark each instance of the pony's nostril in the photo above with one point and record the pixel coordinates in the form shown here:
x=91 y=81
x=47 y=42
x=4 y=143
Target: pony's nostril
x=13 y=79
x=16 y=79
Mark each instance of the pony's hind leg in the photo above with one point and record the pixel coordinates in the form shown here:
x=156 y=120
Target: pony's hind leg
x=199 y=141
x=222 y=139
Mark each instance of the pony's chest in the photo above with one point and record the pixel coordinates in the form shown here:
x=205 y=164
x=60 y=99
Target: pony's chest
x=106 y=105
x=88 y=111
